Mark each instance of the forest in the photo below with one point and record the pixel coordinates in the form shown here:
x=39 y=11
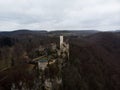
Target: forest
x=94 y=60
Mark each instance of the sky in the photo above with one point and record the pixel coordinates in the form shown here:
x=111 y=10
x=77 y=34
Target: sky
x=60 y=15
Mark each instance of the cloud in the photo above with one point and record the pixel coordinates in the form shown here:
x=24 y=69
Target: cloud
x=59 y=14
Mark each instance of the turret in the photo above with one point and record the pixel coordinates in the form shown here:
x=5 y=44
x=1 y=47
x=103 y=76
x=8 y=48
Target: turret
x=61 y=42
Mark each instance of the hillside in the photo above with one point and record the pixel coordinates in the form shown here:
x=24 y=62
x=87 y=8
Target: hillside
x=94 y=63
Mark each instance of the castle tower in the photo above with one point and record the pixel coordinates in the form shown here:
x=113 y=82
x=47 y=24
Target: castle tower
x=61 y=42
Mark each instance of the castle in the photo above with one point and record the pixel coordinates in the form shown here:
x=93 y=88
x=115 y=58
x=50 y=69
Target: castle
x=64 y=47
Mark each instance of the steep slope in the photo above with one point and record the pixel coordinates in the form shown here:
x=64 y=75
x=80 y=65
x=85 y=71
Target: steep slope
x=110 y=42
x=91 y=67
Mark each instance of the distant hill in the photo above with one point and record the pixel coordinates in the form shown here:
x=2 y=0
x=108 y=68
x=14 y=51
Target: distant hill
x=21 y=32
x=74 y=32
x=43 y=32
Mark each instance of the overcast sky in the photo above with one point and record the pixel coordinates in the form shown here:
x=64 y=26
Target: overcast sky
x=59 y=14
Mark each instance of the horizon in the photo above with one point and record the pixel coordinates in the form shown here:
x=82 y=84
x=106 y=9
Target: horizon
x=58 y=30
